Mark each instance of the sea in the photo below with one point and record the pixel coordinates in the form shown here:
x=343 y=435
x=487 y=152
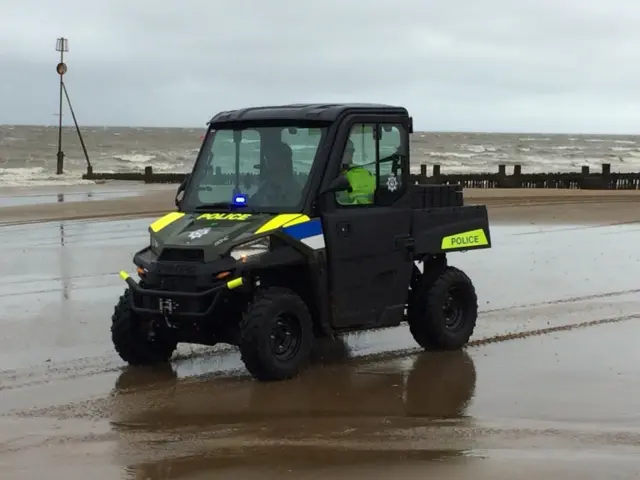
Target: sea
x=28 y=153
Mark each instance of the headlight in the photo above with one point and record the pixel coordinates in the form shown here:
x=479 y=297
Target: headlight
x=249 y=249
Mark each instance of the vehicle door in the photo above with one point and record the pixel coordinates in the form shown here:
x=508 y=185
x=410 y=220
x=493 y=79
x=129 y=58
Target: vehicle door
x=366 y=244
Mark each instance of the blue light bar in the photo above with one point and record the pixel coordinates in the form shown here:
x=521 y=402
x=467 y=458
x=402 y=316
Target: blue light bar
x=239 y=199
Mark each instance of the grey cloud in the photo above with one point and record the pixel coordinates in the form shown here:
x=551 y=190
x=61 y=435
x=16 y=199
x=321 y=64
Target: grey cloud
x=529 y=65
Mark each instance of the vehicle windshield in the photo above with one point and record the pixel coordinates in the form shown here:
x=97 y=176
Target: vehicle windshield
x=267 y=166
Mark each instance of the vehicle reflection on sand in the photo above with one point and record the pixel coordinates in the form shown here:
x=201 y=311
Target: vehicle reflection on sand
x=361 y=412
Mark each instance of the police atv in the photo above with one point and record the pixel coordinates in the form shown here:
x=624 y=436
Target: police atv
x=276 y=242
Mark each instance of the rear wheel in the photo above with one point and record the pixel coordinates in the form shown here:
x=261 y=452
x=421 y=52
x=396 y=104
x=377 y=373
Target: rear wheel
x=277 y=335
x=135 y=340
x=443 y=312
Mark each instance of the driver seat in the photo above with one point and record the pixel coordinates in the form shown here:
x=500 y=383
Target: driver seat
x=280 y=185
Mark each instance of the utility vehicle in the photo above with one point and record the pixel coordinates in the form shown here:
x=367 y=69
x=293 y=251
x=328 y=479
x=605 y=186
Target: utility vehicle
x=276 y=241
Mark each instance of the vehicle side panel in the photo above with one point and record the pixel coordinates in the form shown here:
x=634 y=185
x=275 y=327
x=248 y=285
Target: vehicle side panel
x=450 y=229
x=307 y=236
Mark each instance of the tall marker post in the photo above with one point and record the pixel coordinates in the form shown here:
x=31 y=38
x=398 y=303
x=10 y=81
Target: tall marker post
x=62 y=45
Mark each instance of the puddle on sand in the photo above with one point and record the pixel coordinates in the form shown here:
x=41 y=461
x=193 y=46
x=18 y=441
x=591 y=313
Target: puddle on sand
x=517 y=408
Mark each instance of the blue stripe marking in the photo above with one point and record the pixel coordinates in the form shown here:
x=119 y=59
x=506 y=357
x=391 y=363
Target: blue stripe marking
x=305 y=230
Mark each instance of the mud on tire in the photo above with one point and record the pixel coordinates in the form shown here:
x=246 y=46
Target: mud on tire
x=132 y=341
x=277 y=335
x=442 y=312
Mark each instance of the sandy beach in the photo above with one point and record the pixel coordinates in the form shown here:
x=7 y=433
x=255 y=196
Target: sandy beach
x=547 y=389
x=83 y=202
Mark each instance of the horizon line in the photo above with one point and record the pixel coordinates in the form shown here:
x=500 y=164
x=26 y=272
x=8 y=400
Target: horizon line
x=489 y=132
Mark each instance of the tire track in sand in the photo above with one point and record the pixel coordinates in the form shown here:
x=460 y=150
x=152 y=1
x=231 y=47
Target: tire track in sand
x=34 y=376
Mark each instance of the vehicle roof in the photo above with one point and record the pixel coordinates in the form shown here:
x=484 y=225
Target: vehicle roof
x=304 y=111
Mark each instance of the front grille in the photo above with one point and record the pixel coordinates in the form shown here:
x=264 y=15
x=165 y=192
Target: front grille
x=174 y=283
x=178 y=284
x=182 y=255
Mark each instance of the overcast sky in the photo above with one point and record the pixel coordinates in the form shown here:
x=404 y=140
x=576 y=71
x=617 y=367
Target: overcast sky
x=474 y=65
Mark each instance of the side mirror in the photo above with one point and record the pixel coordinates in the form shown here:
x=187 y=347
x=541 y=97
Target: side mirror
x=181 y=188
x=339 y=184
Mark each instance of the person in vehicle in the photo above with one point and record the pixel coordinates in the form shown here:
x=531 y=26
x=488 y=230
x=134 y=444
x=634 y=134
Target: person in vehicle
x=279 y=186
x=362 y=182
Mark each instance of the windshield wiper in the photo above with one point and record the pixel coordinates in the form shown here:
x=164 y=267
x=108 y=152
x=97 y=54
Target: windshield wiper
x=227 y=205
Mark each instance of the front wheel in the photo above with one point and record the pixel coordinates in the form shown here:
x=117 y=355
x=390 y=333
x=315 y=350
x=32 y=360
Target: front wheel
x=135 y=340
x=277 y=335
x=442 y=314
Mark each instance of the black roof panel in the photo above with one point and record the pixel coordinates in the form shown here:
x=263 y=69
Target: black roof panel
x=303 y=111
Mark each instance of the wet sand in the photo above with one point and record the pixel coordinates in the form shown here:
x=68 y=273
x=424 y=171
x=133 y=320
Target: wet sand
x=548 y=386
x=132 y=200
x=92 y=191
